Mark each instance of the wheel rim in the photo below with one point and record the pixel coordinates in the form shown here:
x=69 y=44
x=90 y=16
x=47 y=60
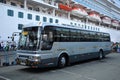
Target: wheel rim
x=101 y=55
x=63 y=61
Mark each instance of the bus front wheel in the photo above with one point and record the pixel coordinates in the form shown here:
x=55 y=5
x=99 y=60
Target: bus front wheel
x=62 y=61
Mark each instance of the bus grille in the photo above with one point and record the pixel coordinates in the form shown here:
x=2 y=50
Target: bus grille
x=23 y=56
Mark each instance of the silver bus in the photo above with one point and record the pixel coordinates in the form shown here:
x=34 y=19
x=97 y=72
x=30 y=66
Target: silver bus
x=49 y=44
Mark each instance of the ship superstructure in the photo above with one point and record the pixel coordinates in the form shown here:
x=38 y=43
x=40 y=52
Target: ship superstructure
x=95 y=15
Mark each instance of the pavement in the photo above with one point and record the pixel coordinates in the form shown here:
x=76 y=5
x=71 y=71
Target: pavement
x=105 y=69
x=2 y=53
x=7 y=58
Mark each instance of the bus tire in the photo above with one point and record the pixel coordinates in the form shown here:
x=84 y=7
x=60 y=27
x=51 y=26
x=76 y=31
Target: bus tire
x=62 y=61
x=101 y=54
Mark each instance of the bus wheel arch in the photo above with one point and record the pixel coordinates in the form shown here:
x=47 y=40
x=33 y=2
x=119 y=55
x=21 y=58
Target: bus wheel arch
x=63 y=60
x=101 y=54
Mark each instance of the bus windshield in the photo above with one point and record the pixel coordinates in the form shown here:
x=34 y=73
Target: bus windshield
x=29 y=39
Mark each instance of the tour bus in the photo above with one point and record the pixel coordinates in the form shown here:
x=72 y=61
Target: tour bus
x=50 y=44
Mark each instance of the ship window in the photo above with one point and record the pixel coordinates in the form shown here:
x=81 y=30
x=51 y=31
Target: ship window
x=75 y=24
x=98 y=29
x=29 y=16
x=51 y=20
x=88 y=27
x=85 y=27
x=13 y=4
x=20 y=26
x=20 y=14
x=82 y=26
x=37 y=18
x=91 y=28
x=44 y=19
x=10 y=12
x=56 y=21
x=71 y=23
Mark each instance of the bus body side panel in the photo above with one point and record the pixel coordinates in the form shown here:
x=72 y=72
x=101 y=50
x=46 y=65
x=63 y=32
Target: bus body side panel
x=83 y=52
x=77 y=51
x=80 y=51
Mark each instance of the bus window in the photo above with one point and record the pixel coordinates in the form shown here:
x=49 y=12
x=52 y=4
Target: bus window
x=82 y=36
x=28 y=39
x=73 y=35
x=47 y=39
x=106 y=37
x=64 y=35
x=57 y=35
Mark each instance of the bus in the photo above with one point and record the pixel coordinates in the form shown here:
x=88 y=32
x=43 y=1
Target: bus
x=48 y=44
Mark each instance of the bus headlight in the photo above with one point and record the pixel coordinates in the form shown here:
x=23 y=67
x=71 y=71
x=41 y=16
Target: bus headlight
x=35 y=58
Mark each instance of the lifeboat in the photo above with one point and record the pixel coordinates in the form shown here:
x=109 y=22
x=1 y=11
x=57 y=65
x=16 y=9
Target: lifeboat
x=106 y=20
x=94 y=16
x=115 y=23
x=79 y=12
x=64 y=7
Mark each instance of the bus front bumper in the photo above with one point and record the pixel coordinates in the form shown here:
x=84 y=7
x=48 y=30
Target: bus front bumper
x=27 y=62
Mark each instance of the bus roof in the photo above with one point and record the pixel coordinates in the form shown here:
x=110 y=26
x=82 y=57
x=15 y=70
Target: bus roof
x=43 y=24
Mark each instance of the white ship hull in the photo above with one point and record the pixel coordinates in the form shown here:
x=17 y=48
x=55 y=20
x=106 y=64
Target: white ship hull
x=9 y=24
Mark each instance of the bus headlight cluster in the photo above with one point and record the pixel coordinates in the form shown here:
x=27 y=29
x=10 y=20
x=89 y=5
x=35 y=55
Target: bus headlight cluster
x=35 y=58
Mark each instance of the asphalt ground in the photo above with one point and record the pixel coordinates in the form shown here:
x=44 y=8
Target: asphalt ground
x=106 y=69
x=7 y=57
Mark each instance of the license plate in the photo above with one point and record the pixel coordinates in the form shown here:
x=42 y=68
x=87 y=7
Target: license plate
x=23 y=63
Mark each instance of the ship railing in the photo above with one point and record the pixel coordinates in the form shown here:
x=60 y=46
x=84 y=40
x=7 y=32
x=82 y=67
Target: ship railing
x=49 y=3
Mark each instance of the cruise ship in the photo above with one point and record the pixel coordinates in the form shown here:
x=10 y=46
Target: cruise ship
x=94 y=15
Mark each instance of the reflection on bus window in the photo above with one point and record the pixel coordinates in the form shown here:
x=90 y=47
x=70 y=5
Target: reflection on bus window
x=28 y=39
x=47 y=40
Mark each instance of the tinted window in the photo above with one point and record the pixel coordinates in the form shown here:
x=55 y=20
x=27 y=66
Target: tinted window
x=76 y=35
x=47 y=38
x=73 y=35
x=106 y=37
x=65 y=35
x=57 y=36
